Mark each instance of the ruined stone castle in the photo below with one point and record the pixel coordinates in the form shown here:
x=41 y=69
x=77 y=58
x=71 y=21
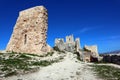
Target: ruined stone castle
x=30 y=32
x=69 y=45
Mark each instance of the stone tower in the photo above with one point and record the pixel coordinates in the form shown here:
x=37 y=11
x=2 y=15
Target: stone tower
x=70 y=45
x=69 y=39
x=59 y=42
x=30 y=32
x=77 y=43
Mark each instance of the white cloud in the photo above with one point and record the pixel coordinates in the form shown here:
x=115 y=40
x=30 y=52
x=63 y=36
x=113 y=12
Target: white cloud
x=83 y=30
x=109 y=38
x=114 y=37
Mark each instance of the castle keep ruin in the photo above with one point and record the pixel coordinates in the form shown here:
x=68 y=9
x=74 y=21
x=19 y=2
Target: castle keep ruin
x=30 y=32
x=70 y=45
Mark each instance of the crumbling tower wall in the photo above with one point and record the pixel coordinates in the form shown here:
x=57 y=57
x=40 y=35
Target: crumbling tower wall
x=30 y=32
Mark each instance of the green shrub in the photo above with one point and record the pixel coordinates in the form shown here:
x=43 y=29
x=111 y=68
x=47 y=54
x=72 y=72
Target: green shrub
x=33 y=55
x=11 y=73
x=5 y=68
x=78 y=56
x=42 y=63
x=15 y=63
x=62 y=51
x=24 y=56
x=50 y=53
x=42 y=56
x=84 y=49
x=57 y=49
x=13 y=52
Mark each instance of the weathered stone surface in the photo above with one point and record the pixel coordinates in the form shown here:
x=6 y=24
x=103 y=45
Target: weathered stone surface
x=69 y=39
x=77 y=43
x=92 y=49
x=111 y=58
x=86 y=56
x=60 y=43
x=30 y=32
x=70 y=45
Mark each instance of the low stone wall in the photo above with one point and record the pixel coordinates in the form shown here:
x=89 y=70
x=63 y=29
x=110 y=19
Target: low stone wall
x=111 y=59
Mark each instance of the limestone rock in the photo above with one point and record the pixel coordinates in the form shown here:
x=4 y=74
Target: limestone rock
x=30 y=32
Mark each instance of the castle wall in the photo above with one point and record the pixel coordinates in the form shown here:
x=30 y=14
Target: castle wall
x=60 y=43
x=70 y=45
x=77 y=43
x=92 y=49
x=69 y=39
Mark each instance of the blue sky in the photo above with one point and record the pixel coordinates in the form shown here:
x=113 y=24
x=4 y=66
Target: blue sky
x=94 y=21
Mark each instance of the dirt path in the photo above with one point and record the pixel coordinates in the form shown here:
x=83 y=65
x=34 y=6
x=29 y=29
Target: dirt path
x=110 y=64
x=68 y=69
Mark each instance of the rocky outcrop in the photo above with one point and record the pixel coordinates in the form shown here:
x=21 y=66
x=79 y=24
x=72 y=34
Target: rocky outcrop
x=30 y=32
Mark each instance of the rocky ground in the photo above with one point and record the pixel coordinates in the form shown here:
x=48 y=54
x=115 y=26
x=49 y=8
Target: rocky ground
x=68 y=69
x=62 y=66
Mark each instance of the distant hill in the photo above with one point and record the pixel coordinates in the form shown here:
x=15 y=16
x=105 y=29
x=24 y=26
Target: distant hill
x=111 y=57
x=112 y=52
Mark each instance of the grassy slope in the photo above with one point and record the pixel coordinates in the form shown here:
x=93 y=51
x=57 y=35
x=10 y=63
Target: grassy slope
x=14 y=63
x=107 y=72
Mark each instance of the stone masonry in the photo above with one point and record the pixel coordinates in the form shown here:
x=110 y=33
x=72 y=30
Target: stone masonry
x=90 y=53
x=30 y=32
x=92 y=49
x=70 y=45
